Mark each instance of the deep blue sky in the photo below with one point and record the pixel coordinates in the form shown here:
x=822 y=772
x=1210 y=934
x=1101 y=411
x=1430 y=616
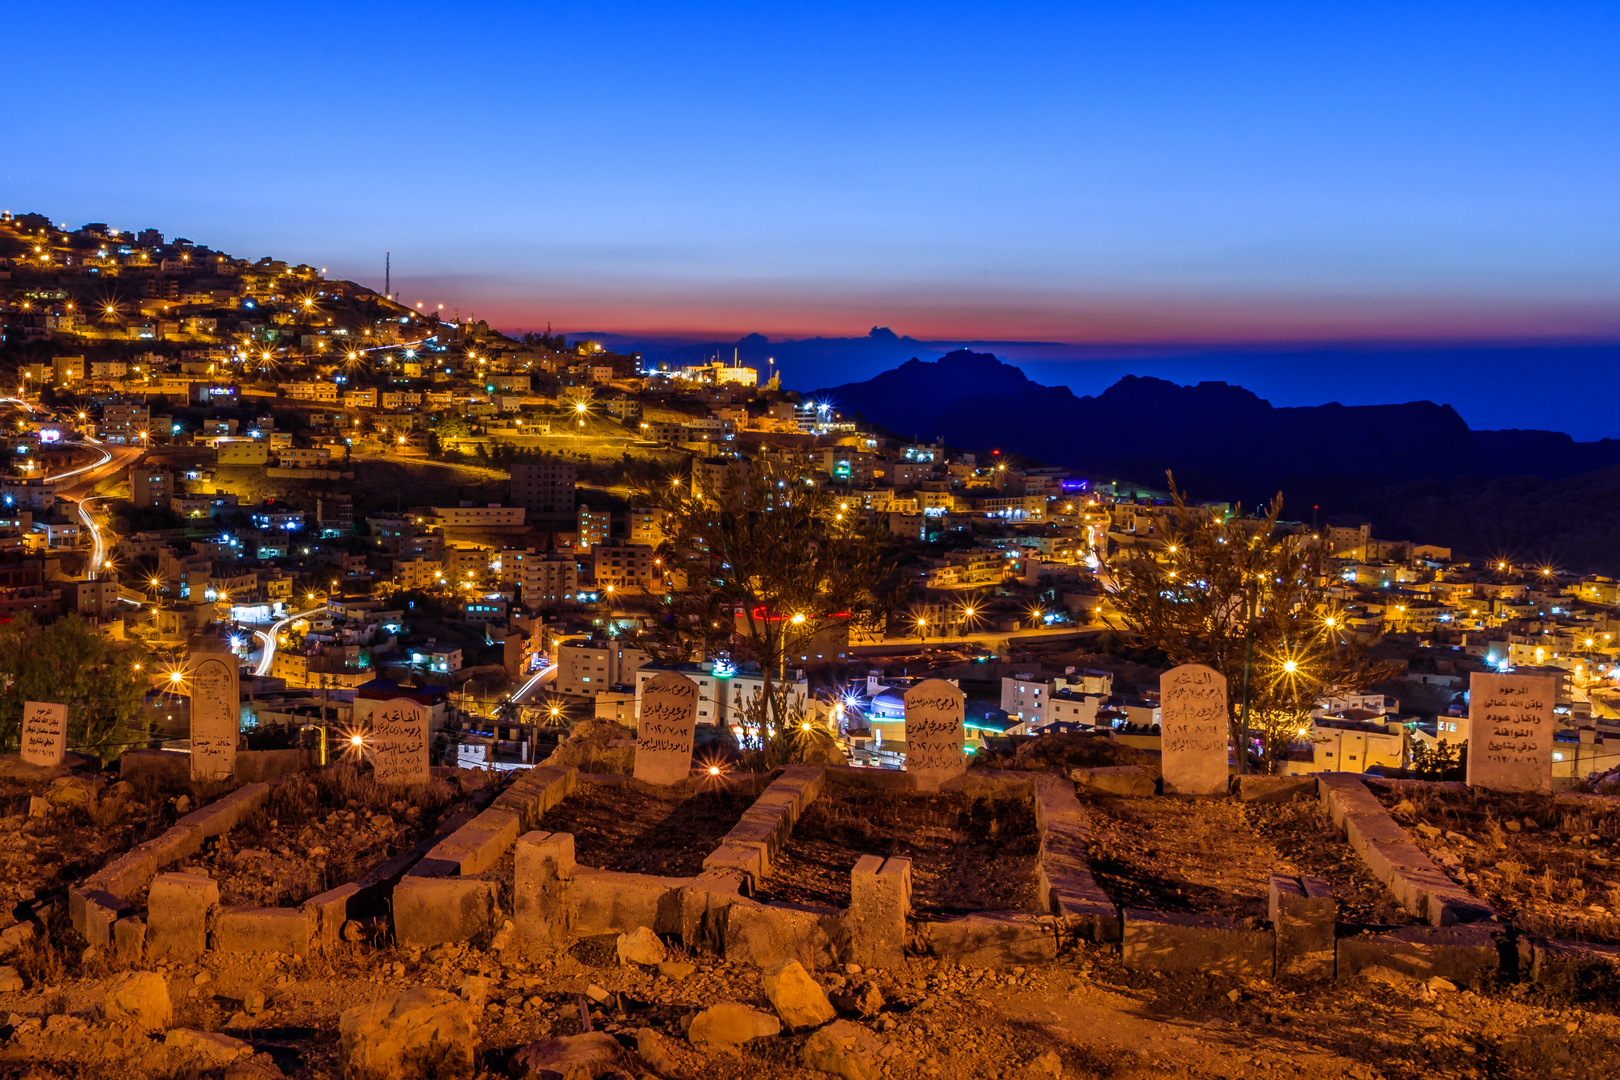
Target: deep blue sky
x=1170 y=172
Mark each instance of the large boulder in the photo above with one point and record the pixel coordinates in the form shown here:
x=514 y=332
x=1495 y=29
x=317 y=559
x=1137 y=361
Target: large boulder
x=642 y=947
x=842 y=1049
x=1128 y=780
x=795 y=996
x=140 y=998
x=421 y=1030
x=731 y=1024
x=571 y=1057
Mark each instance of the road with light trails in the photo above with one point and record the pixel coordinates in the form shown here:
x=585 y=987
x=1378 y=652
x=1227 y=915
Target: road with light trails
x=546 y=674
x=98 y=539
x=267 y=658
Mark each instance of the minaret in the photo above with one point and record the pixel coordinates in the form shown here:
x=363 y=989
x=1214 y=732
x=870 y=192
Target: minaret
x=388 y=274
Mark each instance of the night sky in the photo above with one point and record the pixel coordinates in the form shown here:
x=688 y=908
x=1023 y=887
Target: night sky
x=1165 y=175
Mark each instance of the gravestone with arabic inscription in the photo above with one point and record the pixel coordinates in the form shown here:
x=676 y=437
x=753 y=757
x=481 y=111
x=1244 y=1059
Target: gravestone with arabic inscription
x=399 y=742
x=44 y=733
x=216 y=714
x=1193 y=731
x=934 y=733
x=1510 y=732
x=665 y=729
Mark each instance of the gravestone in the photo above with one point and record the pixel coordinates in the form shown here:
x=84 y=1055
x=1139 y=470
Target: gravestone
x=216 y=714
x=399 y=742
x=666 y=728
x=1510 y=732
x=44 y=733
x=1193 y=731
x=934 y=735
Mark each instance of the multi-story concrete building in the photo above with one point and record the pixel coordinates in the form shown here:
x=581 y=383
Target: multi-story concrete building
x=544 y=486
x=646 y=526
x=619 y=564
x=547 y=581
x=586 y=668
x=473 y=517
x=594 y=527
x=123 y=421
x=149 y=487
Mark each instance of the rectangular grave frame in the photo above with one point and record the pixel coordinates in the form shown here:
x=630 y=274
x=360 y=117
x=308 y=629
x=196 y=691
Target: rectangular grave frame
x=99 y=907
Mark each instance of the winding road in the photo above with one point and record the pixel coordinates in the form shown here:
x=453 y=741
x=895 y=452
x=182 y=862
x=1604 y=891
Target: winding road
x=267 y=658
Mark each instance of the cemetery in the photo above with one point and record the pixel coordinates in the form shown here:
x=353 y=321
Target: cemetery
x=624 y=891
x=58 y=829
x=622 y=824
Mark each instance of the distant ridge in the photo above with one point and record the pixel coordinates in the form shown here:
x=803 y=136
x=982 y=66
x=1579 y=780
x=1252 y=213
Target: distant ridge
x=1215 y=436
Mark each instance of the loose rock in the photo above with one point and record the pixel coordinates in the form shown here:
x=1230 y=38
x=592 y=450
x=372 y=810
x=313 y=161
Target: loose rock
x=795 y=996
x=728 y=1024
x=208 y=1046
x=140 y=998
x=642 y=946
x=382 y=1035
x=863 y=999
x=842 y=1049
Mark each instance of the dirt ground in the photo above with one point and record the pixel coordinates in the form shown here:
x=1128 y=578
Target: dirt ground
x=1549 y=864
x=939 y=1021
x=1184 y=855
x=966 y=855
x=318 y=831
x=629 y=828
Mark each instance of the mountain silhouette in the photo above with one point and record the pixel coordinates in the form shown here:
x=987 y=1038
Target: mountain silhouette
x=1221 y=440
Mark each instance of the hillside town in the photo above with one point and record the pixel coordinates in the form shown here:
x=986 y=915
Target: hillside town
x=277 y=460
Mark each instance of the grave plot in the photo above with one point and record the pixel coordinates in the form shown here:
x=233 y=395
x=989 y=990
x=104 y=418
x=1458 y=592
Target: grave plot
x=85 y=823
x=1547 y=864
x=1304 y=836
x=623 y=825
x=619 y=828
x=1217 y=857
x=967 y=854
x=319 y=830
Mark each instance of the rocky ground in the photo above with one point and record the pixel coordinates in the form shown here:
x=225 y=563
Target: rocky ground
x=1082 y=1016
